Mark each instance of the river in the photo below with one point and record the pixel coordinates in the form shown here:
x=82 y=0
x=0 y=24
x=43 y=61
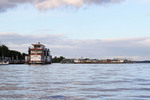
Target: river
x=75 y=82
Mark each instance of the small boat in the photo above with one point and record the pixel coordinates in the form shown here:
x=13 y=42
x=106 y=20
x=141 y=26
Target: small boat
x=4 y=62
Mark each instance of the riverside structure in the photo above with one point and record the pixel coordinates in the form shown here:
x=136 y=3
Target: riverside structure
x=96 y=61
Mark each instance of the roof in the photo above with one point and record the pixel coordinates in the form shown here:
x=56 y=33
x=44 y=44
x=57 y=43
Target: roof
x=37 y=44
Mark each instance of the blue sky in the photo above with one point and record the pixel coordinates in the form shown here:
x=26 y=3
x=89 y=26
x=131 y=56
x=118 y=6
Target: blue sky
x=77 y=20
x=125 y=19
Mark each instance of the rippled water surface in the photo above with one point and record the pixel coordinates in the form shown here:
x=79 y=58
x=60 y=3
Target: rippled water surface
x=75 y=82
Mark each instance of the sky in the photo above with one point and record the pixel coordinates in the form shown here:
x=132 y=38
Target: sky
x=78 y=28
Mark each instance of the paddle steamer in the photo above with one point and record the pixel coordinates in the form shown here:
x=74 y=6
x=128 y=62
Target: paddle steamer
x=38 y=54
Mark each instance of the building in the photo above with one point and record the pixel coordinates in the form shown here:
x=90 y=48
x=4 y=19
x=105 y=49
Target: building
x=38 y=54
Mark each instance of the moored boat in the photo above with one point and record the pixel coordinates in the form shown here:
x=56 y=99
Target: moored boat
x=4 y=62
x=38 y=54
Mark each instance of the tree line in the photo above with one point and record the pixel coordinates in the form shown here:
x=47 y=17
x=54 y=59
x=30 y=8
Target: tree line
x=57 y=59
x=5 y=52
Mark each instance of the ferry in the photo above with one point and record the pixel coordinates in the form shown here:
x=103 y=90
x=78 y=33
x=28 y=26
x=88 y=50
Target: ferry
x=38 y=54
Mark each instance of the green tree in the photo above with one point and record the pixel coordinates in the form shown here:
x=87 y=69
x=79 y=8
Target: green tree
x=5 y=52
x=57 y=59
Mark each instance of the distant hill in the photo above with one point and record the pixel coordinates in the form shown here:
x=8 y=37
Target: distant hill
x=146 y=61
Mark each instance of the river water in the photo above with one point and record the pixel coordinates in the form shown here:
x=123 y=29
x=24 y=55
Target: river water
x=75 y=82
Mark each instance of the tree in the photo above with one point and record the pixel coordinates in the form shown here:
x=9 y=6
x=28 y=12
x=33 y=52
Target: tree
x=57 y=59
x=5 y=52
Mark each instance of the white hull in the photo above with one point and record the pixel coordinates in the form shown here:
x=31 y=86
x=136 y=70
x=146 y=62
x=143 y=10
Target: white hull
x=4 y=63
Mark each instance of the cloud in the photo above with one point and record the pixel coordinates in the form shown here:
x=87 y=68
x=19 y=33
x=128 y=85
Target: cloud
x=8 y=4
x=50 y=4
x=136 y=48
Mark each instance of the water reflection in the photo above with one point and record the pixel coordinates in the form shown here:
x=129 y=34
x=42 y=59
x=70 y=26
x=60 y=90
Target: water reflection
x=75 y=81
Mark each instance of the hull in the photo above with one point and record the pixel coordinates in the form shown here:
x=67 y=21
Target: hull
x=38 y=62
x=4 y=63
